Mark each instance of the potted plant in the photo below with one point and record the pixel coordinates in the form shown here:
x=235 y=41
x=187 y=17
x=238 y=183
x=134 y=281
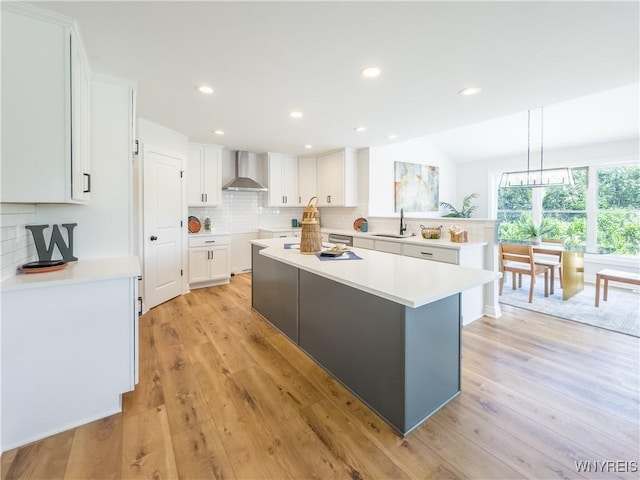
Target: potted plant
x=533 y=231
x=466 y=210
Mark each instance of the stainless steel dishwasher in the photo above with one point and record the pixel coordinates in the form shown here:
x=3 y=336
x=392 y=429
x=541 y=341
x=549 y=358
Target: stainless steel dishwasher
x=337 y=238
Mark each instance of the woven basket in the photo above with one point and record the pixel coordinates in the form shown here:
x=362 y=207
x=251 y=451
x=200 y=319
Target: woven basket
x=310 y=213
x=431 y=233
x=311 y=238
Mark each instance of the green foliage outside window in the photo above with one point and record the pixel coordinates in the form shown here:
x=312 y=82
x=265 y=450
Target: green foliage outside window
x=564 y=210
x=619 y=209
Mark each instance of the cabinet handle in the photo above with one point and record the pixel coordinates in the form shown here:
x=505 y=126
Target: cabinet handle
x=153 y=238
x=206 y=197
x=208 y=254
x=328 y=198
x=300 y=199
x=139 y=306
x=209 y=241
x=88 y=175
x=426 y=253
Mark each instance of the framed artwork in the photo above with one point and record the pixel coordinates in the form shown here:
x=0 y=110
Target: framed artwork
x=416 y=187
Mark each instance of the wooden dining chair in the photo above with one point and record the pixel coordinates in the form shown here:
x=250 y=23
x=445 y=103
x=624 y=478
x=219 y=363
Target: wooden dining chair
x=519 y=260
x=551 y=258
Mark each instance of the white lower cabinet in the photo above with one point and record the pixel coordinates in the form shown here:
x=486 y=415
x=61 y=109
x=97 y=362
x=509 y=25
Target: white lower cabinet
x=209 y=260
x=69 y=347
x=387 y=246
x=466 y=256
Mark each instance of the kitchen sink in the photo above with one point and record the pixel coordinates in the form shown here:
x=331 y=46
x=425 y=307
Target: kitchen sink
x=388 y=235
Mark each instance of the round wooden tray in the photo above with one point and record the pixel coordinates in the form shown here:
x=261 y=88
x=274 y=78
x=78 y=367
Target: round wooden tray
x=194 y=224
x=357 y=225
x=34 y=268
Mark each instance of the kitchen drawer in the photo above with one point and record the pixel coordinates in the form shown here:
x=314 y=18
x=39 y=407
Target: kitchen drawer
x=428 y=252
x=208 y=240
x=363 y=243
x=389 y=247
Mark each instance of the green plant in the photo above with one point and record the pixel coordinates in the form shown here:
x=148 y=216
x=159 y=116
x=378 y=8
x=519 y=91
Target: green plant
x=466 y=210
x=533 y=230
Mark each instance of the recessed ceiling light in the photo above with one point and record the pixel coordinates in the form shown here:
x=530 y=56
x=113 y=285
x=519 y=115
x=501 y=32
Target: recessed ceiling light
x=360 y=129
x=219 y=132
x=371 y=72
x=296 y=114
x=308 y=146
x=469 y=91
x=205 y=88
x=392 y=136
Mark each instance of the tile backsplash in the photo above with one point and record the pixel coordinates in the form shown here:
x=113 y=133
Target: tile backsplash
x=242 y=212
x=16 y=243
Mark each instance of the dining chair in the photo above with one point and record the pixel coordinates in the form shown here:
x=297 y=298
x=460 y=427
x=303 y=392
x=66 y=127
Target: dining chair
x=550 y=257
x=519 y=260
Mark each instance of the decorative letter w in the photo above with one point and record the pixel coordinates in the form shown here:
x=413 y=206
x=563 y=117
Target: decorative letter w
x=44 y=252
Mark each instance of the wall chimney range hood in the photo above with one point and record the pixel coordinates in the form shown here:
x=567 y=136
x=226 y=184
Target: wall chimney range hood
x=242 y=182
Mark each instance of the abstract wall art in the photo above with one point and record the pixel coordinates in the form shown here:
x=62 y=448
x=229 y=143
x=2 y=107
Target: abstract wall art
x=416 y=187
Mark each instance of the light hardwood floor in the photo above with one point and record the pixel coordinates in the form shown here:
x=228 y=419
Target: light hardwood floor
x=223 y=395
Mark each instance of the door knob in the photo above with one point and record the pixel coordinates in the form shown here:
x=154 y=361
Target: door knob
x=153 y=238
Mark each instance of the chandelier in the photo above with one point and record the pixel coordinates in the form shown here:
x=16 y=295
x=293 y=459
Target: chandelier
x=540 y=177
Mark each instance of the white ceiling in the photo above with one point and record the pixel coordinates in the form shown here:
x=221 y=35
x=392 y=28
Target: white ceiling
x=265 y=59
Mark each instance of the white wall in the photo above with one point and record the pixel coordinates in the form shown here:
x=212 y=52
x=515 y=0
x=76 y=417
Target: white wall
x=381 y=174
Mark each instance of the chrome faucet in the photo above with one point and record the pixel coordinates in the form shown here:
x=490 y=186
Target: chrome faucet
x=403 y=225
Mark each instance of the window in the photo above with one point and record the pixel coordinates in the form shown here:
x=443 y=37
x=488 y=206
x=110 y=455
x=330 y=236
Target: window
x=602 y=210
x=618 y=217
x=564 y=210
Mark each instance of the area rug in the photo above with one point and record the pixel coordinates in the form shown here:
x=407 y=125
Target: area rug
x=620 y=313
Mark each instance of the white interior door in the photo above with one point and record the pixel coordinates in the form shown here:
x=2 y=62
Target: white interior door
x=162 y=230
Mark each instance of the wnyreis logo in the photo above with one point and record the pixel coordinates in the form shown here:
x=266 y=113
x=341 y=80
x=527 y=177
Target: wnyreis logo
x=607 y=466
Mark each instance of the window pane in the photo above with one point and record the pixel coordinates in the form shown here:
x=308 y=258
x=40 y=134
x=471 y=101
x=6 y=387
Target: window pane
x=568 y=226
x=620 y=232
x=570 y=197
x=514 y=226
x=619 y=188
x=514 y=199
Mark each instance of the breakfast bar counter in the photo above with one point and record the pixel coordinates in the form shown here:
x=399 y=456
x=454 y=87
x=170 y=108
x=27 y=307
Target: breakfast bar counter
x=386 y=326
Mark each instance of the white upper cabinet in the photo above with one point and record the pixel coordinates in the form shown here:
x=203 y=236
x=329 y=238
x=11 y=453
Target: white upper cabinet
x=337 y=182
x=80 y=124
x=204 y=175
x=45 y=108
x=307 y=187
x=282 y=174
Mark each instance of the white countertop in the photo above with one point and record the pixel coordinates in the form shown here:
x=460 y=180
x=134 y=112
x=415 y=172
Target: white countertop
x=443 y=242
x=281 y=229
x=412 y=282
x=76 y=272
x=213 y=232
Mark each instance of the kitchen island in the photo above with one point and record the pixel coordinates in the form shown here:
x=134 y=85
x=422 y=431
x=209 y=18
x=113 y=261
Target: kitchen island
x=386 y=326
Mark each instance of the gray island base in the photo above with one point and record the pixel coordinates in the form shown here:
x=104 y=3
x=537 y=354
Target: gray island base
x=403 y=362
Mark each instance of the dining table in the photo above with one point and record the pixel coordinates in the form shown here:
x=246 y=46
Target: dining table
x=571 y=270
x=571 y=264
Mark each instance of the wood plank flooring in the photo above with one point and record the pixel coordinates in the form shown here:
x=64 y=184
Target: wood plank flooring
x=222 y=394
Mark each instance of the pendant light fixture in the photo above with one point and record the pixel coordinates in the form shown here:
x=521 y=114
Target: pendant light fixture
x=536 y=178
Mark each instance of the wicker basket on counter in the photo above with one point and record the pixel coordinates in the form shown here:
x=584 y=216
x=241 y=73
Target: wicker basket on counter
x=311 y=238
x=431 y=233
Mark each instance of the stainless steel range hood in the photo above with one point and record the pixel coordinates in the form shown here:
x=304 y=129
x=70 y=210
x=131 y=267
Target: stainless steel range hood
x=242 y=182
